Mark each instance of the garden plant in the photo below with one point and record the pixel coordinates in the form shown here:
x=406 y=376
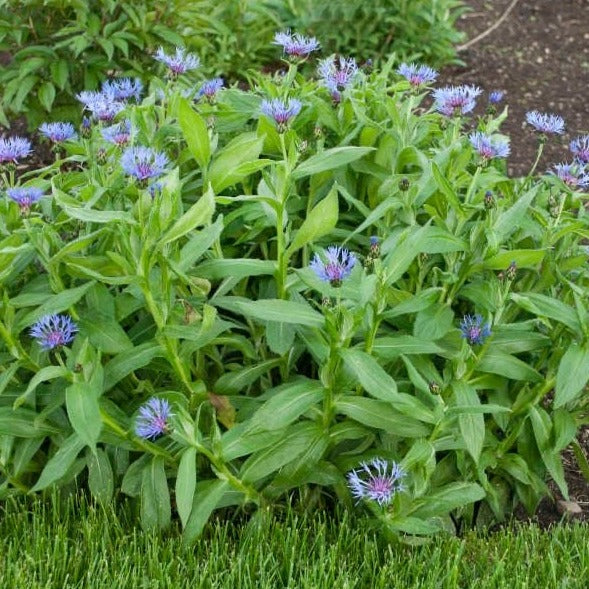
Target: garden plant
x=325 y=286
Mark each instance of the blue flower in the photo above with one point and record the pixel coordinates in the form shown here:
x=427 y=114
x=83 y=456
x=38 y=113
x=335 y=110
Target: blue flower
x=153 y=417
x=25 y=196
x=296 y=45
x=337 y=266
x=473 y=329
x=122 y=89
x=573 y=175
x=209 y=88
x=180 y=62
x=53 y=331
x=452 y=100
x=143 y=162
x=337 y=74
x=545 y=123
x=102 y=106
x=282 y=111
x=416 y=74
x=580 y=148
x=488 y=146
x=13 y=149
x=496 y=96
x=58 y=132
x=118 y=134
x=376 y=481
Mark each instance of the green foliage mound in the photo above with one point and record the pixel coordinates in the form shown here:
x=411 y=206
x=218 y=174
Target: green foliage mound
x=180 y=324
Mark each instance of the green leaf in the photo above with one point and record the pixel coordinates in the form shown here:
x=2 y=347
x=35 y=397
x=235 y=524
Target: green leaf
x=510 y=220
x=55 y=304
x=200 y=213
x=234 y=161
x=370 y=374
x=24 y=423
x=545 y=306
x=329 y=159
x=46 y=95
x=60 y=462
x=234 y=381
x=156 y=512
x=126 y=362
x=381 y=415
x=393 y=346
x=433 y=323
x=100 y=475
x=84 y=413
x=449 y=497
x=319 y=222
x=46 y=373
x=436 y=240
x=402 y=253
x=194 y=129
x=275 y=310
x=204 y=504
x=288 y=405
x=522 y=258
x=472 y=425
x=186 y=484
x=572 y=375
x=294 y=442
x=105 y=334
x=238 y=268
x=280 y=336
x=446 y=188
x=497 y=362
x=59 y=72
x=199 y=243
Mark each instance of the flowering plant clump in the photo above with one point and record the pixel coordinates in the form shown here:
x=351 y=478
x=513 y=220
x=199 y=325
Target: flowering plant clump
x=224 y=298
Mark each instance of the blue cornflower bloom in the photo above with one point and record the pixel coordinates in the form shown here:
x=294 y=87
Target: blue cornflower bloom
x=123 y=88
x=153 y=417
x=337 y=74
x=496 y=96
x=545 y=123
x=473 y=329
x=296 y=45
x=416 y=74
x=209 y=88
x=573 y=175
x=58 y=132
x=143 y=162
x=376 y=481
x=180 y=62
x=488 y=146
x=452 y=100
x=102 y=106
x=118 y=134
x=580 y=148
x=281 y=111
x=24 y=196
x=337 y=266
x=53 y=331
x=13 y=149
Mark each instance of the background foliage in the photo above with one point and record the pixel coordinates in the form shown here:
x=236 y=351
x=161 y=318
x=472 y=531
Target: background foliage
x=60 y=47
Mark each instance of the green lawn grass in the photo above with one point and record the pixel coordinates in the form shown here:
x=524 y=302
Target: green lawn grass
x=72 y=544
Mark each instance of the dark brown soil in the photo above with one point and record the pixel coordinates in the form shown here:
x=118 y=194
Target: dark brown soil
x=540 y=56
